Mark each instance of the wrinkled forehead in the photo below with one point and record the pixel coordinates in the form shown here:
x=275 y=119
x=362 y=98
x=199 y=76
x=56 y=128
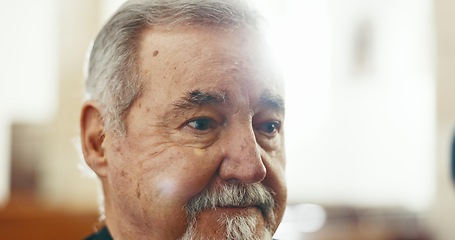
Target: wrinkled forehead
x=202 y=52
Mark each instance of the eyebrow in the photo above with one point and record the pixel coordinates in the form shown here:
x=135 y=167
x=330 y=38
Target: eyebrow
x=199 y=98
x=273 y=101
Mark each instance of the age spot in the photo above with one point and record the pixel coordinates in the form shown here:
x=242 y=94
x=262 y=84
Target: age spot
x=138 y=191
x=199 y=151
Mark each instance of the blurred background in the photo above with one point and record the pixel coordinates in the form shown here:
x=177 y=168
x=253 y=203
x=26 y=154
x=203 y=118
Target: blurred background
x=370 y=117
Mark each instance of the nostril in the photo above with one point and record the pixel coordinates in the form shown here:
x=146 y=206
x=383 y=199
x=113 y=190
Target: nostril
x=243 y=170
x=261 y=173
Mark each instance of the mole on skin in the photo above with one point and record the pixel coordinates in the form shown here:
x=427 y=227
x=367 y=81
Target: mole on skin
x=155 y=53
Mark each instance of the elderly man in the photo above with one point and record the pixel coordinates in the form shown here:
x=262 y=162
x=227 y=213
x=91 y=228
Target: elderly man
x=184 y=123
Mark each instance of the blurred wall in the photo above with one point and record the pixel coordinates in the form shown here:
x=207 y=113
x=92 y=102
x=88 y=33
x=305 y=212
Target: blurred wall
x=360 y=102
x=28 y=69
x=62 y=183
x=443 y=212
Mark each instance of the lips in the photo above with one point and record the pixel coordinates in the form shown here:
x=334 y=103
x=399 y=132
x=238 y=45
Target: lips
x=235 y=208
x=230 y=210
x=256 y=206
x=241 y=207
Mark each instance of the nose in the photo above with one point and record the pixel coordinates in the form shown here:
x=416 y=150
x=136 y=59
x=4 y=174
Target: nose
x=242 y=158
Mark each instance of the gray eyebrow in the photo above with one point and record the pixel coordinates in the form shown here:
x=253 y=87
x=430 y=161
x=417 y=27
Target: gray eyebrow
x=194 y=100
x=199 y=98
x=273 y=101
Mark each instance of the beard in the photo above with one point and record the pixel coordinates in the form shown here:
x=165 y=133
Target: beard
x=238 y=226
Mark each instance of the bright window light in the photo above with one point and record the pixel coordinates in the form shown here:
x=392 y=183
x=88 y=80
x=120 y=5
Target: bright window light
x=360 y=100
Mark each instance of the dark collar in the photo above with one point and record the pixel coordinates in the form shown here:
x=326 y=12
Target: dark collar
x=103 y=234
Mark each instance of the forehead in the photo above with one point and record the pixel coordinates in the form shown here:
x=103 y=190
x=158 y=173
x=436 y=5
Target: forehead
x=211 y=59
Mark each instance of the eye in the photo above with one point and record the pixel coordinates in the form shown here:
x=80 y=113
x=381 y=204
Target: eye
x=201 y=124
x=269 y=128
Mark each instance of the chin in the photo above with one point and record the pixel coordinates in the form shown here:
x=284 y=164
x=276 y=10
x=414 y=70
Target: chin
x=231 y=227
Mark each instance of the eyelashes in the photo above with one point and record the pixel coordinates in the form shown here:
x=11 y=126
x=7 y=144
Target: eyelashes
x=269 y=128
x=204 y=125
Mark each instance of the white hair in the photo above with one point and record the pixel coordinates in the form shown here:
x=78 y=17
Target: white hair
x=113 y=76
x=238 y=226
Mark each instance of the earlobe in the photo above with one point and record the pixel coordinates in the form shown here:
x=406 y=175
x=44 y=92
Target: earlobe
x=92 y=138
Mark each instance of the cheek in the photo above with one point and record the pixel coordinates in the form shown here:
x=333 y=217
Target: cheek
x=276 y=180
x=178 y=174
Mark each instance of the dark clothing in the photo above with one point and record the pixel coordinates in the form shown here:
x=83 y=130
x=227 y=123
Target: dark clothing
x=101 y=235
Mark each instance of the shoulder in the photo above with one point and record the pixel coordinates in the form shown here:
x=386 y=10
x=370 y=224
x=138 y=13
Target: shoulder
x=103 y=234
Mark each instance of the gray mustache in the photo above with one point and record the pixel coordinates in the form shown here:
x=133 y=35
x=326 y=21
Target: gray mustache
x=234 y=194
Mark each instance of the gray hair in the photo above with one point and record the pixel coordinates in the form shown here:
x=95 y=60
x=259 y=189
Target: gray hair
x=234 y=194
x=113 y=75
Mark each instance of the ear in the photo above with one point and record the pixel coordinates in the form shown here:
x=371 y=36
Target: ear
x=92 y=138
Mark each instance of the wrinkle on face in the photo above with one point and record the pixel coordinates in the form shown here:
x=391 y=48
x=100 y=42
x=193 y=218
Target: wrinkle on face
x=163 y=163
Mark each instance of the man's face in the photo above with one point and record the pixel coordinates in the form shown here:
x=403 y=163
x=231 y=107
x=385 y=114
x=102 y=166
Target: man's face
x=210 y=118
